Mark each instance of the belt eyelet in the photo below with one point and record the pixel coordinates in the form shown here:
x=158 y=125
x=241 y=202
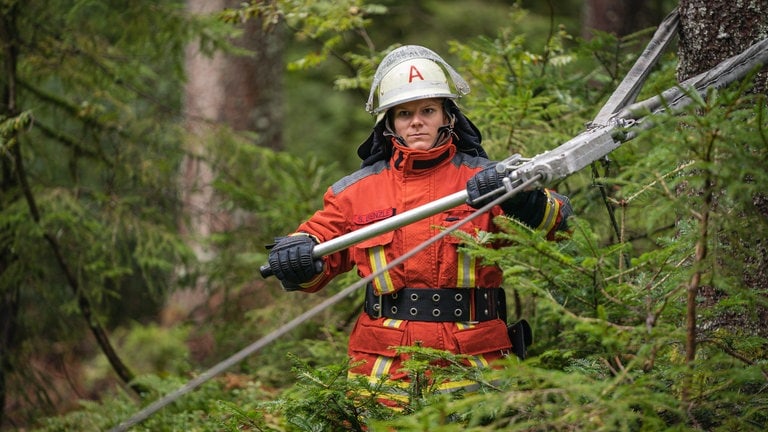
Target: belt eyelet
x=435 y=297
x=457 y=312
x=458 y=297
x=435 y=312
x=394 y=310
x=414 y=297
x=414 y=311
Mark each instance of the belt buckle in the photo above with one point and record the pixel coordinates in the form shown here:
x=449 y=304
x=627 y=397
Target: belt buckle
x=377 y=306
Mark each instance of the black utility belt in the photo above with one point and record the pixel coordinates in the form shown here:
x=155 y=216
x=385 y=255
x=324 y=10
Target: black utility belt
x=438 y=304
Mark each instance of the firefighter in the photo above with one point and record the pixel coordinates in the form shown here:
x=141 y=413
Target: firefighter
x=422 y=148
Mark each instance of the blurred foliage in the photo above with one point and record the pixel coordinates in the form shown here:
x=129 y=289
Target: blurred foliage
x=150 y=348
x=89 y=150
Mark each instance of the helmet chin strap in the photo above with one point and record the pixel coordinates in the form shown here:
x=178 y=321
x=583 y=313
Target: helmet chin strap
x=445 y=131
x=389 y=131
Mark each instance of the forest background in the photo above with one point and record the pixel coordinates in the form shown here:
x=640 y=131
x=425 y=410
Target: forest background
x=149 y=151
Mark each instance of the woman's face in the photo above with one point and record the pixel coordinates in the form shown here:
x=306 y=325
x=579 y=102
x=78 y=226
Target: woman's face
x=418 y=121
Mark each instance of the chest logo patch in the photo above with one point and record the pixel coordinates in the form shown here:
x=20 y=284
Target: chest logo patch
x=374 y=216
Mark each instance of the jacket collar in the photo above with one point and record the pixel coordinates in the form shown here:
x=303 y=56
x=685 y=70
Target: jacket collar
x=410 y=161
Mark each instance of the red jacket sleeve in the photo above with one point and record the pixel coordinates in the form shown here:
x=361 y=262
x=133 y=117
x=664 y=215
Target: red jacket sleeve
x=328 y=223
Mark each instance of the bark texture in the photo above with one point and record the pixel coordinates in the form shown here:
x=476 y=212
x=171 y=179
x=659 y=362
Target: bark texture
x=713 y=30
x=710 y=32
x=241 y=92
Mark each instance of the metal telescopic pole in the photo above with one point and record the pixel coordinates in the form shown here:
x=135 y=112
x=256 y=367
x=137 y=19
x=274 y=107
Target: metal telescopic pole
x=406 y=218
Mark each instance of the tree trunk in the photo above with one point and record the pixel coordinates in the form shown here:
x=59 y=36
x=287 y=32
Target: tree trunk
x=619 y=17
x=713 y=30
x=710 y=32
x=239 y=92
x=9 y=310
x=9 y=306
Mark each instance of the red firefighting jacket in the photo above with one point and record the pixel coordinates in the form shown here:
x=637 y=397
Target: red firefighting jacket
x=409 y=179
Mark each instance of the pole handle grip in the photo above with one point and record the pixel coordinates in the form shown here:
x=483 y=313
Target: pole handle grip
x=266 y=271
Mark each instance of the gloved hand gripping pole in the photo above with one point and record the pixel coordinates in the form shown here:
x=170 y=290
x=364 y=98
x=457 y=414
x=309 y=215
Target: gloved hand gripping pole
x=510 y=182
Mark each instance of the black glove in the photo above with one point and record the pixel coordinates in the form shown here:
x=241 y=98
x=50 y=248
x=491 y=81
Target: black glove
x=291 y=260
x=488 y=180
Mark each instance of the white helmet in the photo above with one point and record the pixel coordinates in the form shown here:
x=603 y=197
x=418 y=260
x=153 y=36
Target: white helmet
x=410 y=73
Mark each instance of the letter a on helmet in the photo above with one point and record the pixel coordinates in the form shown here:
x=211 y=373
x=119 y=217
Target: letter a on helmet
x=410 y=73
